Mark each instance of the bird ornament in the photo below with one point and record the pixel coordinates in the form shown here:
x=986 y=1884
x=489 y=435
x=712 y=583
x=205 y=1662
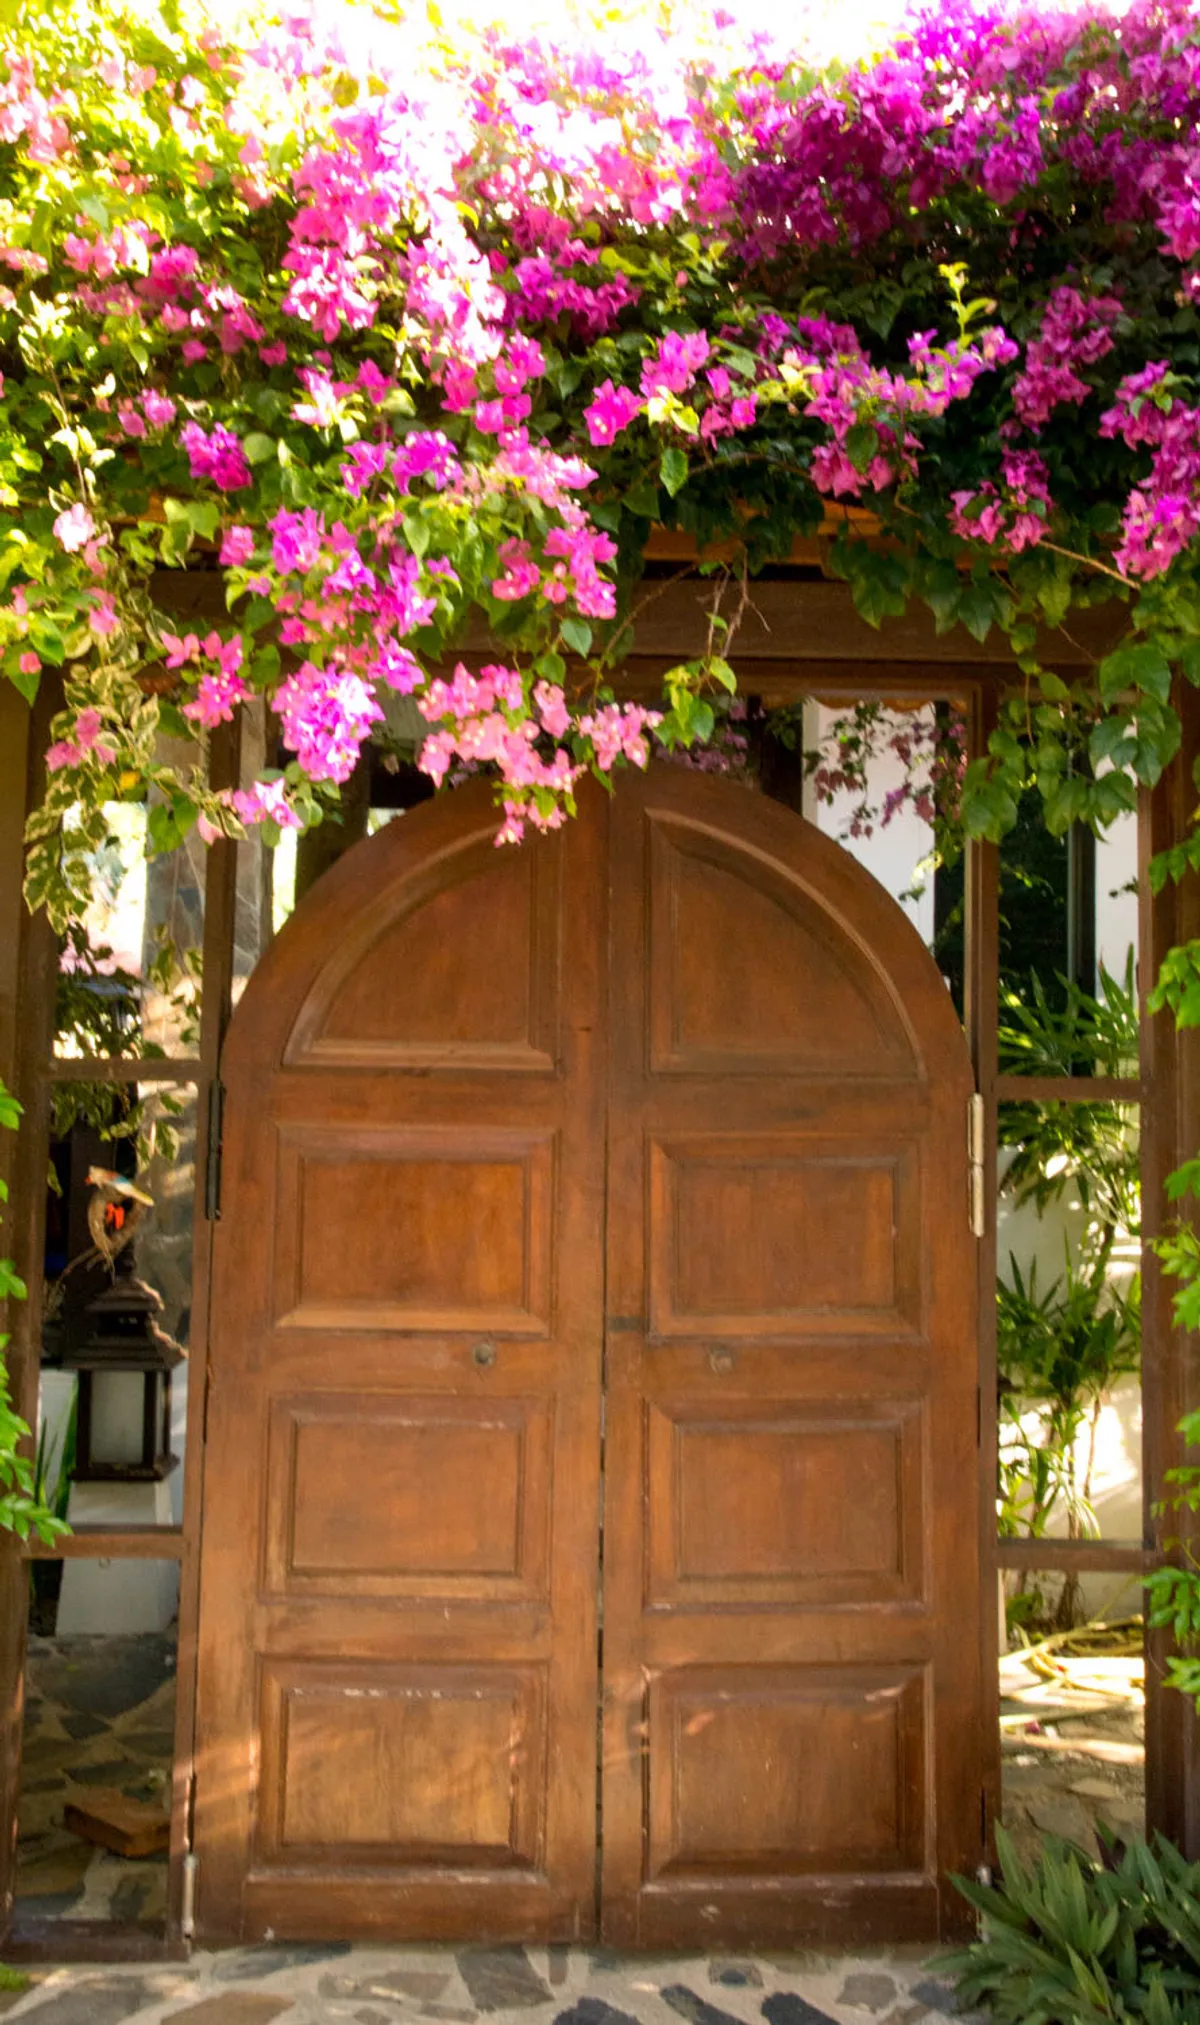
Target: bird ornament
x=114 y=1211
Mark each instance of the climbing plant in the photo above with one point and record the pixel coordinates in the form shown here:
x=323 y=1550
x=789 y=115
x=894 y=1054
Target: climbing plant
x=403 y=334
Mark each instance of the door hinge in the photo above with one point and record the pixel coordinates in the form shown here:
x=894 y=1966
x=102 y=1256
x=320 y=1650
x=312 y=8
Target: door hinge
x=191 y=1862
x=212 y=1170
x=187 y=1917
x=976 y=1140
x=983 y=1869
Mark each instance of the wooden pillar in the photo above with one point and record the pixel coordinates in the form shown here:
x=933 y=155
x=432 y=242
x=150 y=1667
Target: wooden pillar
x=28 y=970
x=1170 y=1356
x=981 y=980
x=220 y=912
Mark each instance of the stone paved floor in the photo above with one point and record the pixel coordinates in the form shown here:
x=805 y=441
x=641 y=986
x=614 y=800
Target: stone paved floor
x=98 y=1712
x=492 y=1986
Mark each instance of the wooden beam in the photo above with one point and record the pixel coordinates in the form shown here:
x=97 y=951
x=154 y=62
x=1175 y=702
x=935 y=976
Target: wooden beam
x=818 y=622
x=1069 y=1089
x=111 y=1543
x=120 y=1069
x=777 y=680
x=29 y=963
x=809 y=621
x=1077 y=1557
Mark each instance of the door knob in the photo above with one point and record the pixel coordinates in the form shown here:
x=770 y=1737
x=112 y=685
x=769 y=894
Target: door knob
x=484 y=1354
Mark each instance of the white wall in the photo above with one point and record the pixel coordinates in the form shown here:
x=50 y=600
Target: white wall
x=893 y=854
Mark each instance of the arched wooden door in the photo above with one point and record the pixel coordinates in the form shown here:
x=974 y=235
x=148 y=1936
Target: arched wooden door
x=595 y=1225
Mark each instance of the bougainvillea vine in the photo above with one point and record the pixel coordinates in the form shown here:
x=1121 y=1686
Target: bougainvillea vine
x=415 y=339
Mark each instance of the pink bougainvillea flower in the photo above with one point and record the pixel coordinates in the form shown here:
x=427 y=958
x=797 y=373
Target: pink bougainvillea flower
x=217 y=456
x=180 y=650
x=102 y=616
x=521 y=574
x=159 y=409
x=675 y=363
x=610 y=410
x=74 y=528
x=217 y=695
x=265 y=802
x=237 y=544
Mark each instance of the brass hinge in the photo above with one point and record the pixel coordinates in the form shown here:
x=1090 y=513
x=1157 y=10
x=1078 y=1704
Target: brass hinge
x=212 y=1170
x=976 y=1138
x=983 y=1869
x=191 y=1862
x=191 y=1872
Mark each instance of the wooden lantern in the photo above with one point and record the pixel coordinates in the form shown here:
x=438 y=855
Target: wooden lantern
x=122 y=1336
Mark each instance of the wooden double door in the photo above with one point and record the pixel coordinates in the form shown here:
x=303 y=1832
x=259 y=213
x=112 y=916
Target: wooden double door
x=590 y=1529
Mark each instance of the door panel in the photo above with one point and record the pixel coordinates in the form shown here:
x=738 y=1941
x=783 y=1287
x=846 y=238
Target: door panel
x=668 y=1110
x=398 y=1616
x=790 y=1545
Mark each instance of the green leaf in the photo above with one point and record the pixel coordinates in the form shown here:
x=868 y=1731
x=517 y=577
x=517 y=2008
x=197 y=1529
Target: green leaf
x=258 y=447
x=204 y=515
x=1139 y=665
x=861 y=444
x=578 y=635
x=977 y=609
x=642 y=499
x=25 y=685
x=673 y=469
x=417 y=533
x=167 y=824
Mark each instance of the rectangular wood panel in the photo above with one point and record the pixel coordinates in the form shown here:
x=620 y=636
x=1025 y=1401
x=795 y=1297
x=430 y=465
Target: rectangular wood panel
x=764 y=1772
x=777 y=1235
x=392 y=1229
x=401 y=1495
x=402 y=1766
x=785 y=1503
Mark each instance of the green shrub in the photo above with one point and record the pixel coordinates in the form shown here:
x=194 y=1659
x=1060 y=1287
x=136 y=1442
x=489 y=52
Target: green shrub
x=1076 y=1942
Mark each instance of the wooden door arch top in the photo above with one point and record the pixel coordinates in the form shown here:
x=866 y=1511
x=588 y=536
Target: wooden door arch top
x=338 y=920
x=365 y=933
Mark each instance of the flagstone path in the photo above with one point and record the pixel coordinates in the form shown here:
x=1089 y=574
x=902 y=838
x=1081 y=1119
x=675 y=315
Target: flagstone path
x=326 y=1985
